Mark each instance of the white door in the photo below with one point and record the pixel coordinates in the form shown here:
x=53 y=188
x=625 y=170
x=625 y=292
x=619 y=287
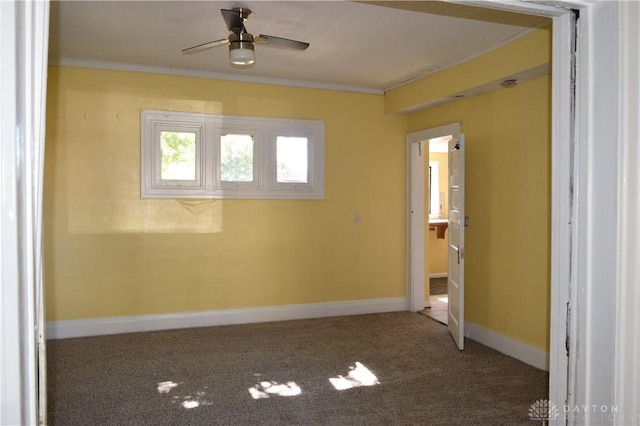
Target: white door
x=417 y=275
x=455 y=281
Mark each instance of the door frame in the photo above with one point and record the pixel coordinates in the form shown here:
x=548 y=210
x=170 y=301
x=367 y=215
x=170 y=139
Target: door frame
x=585 y=183
x=415 y=227
x=23 y=62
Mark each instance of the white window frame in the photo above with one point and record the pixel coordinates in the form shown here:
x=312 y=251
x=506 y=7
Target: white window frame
x=155 y=122
x=157 y=157
x=227 y=189
x=314 y=177
x=208 y=129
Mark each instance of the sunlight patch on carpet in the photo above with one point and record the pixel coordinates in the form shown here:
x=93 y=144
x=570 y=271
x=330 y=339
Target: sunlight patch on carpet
x=190 y=404
x=193 y=401
x=358 y=376
x=165 y=387
x=266 y=389
x=189 y=401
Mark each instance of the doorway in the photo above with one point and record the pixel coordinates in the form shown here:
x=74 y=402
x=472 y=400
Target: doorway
x=436 y=241
x=440 y=212
x=428 y=152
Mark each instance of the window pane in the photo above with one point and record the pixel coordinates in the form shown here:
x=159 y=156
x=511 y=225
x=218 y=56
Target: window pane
x=292 y=160
x=236 y=158
x=178 y=151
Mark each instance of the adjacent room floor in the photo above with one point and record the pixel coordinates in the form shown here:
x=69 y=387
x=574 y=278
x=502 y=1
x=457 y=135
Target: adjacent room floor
x=439 y=300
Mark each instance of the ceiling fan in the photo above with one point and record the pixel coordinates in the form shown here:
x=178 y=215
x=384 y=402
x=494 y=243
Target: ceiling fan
x=241 y=43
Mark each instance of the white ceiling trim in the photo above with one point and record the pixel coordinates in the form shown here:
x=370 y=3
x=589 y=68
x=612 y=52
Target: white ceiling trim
x=538 y=8
x=120 y=66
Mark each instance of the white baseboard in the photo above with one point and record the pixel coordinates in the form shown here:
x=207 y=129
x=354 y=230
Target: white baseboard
x=439 y=275
x=518 y=350
x=131 y=324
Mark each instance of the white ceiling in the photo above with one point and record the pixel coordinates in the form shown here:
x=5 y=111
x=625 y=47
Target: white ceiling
x=369 y=46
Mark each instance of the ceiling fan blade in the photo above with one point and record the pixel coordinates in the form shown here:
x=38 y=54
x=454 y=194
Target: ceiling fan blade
x=234 y=19
x=207 y=45
x=284 y=43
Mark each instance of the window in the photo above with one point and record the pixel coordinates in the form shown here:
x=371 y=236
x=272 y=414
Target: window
x=291 y=159
x=178 y=156
x=236 y=158
x=188 y=155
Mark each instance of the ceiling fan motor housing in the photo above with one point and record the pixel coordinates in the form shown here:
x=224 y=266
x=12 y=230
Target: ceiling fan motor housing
x=241 y=50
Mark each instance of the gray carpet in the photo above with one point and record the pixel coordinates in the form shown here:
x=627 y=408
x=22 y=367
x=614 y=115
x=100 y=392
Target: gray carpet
x=423 y=379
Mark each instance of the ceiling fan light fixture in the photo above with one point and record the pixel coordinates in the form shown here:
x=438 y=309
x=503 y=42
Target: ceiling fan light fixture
x=241 y=51
x=241 y=43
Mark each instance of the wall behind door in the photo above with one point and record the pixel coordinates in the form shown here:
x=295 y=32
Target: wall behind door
x=110 y=253
x=437 y=253
x=508 y=154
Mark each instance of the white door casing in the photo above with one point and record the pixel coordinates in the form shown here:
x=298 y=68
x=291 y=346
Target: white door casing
x=455 y=280
x=24 y=29
x=626 y=366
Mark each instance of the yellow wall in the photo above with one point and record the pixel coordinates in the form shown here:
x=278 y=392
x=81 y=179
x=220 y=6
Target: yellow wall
x=527 y=53
x=111 y=253
x=438 y=248
x=437 y=254
x=507 y=260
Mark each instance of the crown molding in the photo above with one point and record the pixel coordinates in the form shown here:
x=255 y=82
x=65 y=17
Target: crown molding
x=121 y=66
